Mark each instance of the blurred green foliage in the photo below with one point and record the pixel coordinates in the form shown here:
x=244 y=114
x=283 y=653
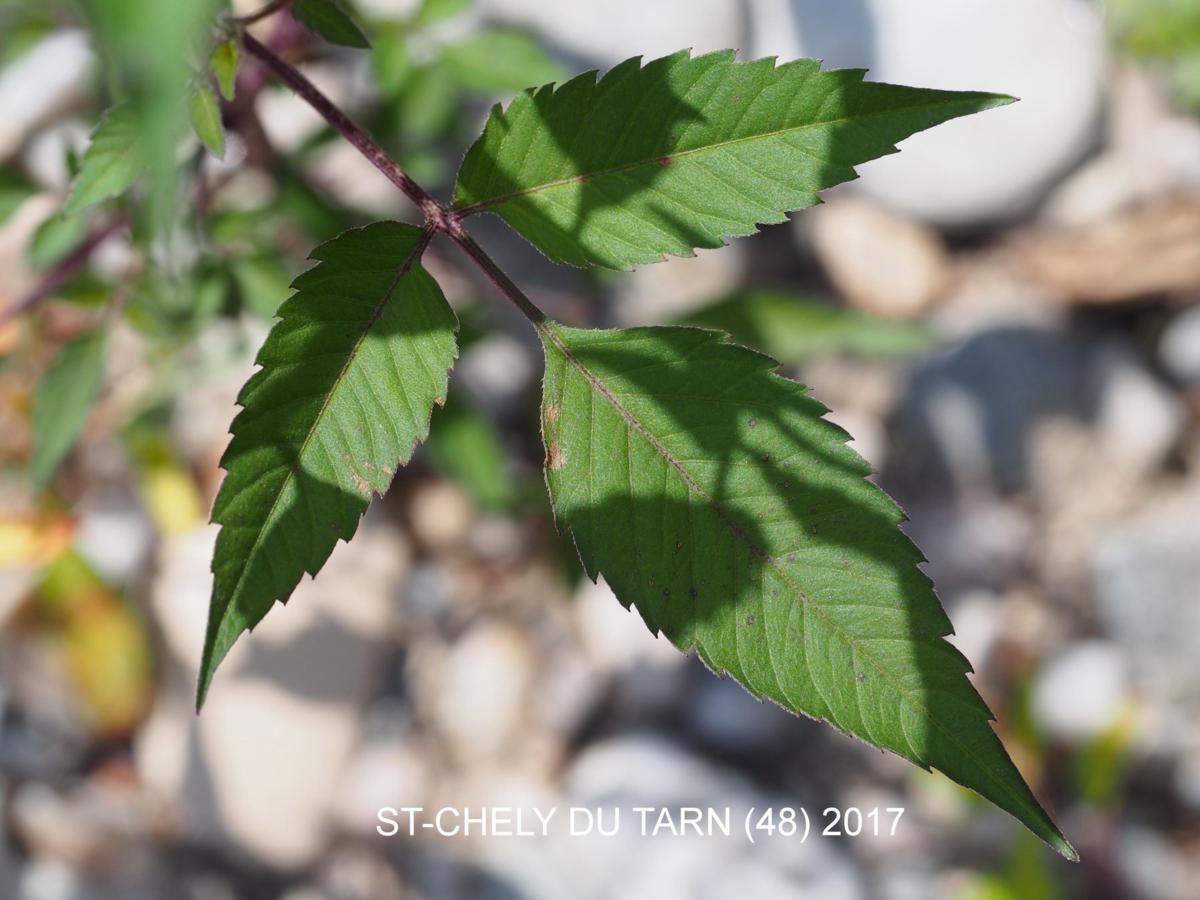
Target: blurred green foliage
x=1167 y=31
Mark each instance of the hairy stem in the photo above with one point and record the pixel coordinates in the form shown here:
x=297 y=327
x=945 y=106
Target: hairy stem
x=65 y=269
x=437 y=216
x=497 y=275
x=310 y=94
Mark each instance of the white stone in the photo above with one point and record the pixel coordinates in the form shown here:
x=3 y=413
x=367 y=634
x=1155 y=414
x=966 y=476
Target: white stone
x=1140 y=419
x=114 y=533
x=976 y=618
x=606 y=33
x=40 y=83
x=880 y=262
x=441 y=515
x=1050 y=53
x=383 y=773
x=662 y=292
x=1081 y=691
x=615 y=638
x=261 y=767
x=495 y=369
x=483 y=690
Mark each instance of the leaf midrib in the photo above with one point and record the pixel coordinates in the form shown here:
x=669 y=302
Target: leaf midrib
x=600 y=387
x=584 y=177
x=405 y=268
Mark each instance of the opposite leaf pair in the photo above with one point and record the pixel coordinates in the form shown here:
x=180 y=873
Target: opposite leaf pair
x=709 y=491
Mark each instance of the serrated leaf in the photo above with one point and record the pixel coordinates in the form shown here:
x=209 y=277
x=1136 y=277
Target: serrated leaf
x=205 y=113
x=15 y=189
x=713 y=496
x=62 y=401
x=684 y=151
x=501 y=59
x=112 y=163
x=795 y=330
x=224 y=65
x=330 y=21
x=350 y=374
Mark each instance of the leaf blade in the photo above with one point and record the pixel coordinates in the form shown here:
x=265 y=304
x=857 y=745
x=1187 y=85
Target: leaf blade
x=63 y=398
x=684 y=151
x=224 y=65
x=330 y=21
x=112 y=163
x=742 y=525
x=205 y=114
x=348 y=380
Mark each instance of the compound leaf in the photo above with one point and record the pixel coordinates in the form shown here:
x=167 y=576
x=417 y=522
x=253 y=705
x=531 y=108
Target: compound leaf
x=112 y=163
x=330 y=21
x=350 y=374
x=62 y=401
x=713 y=496
x=682 y=152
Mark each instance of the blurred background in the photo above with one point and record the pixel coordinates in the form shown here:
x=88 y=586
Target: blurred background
x=1004 y=316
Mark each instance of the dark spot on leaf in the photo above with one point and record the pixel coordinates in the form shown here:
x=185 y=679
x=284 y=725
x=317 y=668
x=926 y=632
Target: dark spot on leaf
x=666 y=592
x=750 y=621
x=791 y=557
x=665 y=160
x=556 y=457
x=678 y=546
x=753 y=423
x=766 y=457
x=693 y=593
x=861 y=676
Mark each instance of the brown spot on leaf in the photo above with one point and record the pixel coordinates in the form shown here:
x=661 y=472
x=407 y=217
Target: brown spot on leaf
x=556 y=456
x=665 y=160
x=750 y=620
x=364 y=486
x=553 y=411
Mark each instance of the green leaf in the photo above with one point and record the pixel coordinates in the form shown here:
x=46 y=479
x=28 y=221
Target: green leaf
x=465 y=446
x=348 y=381
x=62 y=401
x=205 y=113
x=15 y=189
x=54 y=240
x=684 y=152
x=433 y=11
x=713 y=496
x=326 y=18
x=501 y=59
x=112 y=163
x=262 y=284
x=224 y=65
x=795 y=330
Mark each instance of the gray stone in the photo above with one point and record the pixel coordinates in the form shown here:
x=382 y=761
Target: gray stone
x=1144 y=575
x=1179 y=348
